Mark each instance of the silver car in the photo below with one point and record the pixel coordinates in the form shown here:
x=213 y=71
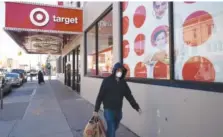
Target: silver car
x=14 y=78
x=5 y=84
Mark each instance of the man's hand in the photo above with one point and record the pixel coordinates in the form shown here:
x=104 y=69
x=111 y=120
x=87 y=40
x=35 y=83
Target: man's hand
x=95 y=114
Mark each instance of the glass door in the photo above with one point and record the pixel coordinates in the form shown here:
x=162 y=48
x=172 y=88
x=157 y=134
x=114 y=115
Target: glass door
x=78 y=81
x=76 y=72
x=71 y=68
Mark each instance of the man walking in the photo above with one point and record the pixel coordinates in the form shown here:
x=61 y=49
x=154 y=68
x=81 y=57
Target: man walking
x=113 y=89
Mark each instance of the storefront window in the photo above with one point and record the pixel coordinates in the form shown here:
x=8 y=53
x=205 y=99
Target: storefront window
x=91 y=51
x=105 y=43
x=145 y=33
x=99 y=57
x=198 y=41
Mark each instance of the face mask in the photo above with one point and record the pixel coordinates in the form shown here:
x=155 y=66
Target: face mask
x=118 y=74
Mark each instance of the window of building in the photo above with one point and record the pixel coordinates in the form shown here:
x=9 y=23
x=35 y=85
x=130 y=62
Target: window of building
x=204 y=62
x=99 y=43
x=184 y=52
x=145 y=33
x=91 y=51
x=105 y=38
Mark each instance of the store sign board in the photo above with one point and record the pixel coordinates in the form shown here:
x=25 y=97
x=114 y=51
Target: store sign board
x=29 y=16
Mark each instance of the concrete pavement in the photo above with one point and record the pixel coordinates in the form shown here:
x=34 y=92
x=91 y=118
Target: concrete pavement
x=48 y=110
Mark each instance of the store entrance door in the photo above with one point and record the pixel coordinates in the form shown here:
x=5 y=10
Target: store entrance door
x=76 y=68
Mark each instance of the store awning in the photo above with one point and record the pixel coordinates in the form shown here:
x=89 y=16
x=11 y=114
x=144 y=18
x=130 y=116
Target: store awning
x=42 y=29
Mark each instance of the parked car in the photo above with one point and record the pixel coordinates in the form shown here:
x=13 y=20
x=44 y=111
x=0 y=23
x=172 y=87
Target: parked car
x=33 y=72
x=5 y=85
x=22 y=73
x=3 y=71
x=14 y=78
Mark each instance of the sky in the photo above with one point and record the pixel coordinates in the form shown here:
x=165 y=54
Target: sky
x=8 y=48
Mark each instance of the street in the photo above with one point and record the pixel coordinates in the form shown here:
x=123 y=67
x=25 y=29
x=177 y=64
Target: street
x=47 y=110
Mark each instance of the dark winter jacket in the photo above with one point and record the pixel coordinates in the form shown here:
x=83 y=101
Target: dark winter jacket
x=40 y=76
x=112 y=92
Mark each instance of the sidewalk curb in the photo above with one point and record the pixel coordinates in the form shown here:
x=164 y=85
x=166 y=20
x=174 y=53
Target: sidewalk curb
x=30 y=99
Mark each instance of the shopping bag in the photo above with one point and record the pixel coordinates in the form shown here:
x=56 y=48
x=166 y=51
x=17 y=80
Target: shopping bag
x=90 y=129
x=100 y=129
x=94 y=128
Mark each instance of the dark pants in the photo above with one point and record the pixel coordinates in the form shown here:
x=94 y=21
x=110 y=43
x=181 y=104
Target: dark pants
x=41 y=80
x=113 y=119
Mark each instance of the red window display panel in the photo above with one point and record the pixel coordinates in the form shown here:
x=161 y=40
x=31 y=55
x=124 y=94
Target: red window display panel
x=198 y=69
x=146 y=44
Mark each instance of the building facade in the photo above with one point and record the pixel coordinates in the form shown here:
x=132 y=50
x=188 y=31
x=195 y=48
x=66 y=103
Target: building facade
x=173 y=57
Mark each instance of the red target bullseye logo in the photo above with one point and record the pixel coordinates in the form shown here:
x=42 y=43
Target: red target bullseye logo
x=39 y=17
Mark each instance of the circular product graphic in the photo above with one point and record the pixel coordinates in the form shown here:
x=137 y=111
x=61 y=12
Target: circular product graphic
x=39 y=17
x=198 y=68
x=159 y=8
x=140 y=70
x=189 y=2
x=124 y=5
x=197 y=28
x=126 y=48
x=125 y=23
x=128 y=70
x=139 y=45
x=139 y=16
x=160 y=36
x=161 y=71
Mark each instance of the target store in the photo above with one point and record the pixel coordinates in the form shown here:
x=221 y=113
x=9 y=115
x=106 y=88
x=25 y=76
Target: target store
x=42 y=29
x=173 y=57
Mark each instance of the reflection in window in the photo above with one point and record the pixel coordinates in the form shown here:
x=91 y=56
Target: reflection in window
x=91 y=50
x=105 y=43
x=204 y=62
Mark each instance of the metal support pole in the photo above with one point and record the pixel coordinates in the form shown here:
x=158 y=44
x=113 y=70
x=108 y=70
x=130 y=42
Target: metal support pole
x=1 y=97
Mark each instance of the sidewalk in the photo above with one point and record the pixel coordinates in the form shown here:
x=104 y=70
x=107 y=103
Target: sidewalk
x=54 y=111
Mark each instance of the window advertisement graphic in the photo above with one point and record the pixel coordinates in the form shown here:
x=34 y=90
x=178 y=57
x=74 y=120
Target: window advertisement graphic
x=145 y=42
x=198 y=41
